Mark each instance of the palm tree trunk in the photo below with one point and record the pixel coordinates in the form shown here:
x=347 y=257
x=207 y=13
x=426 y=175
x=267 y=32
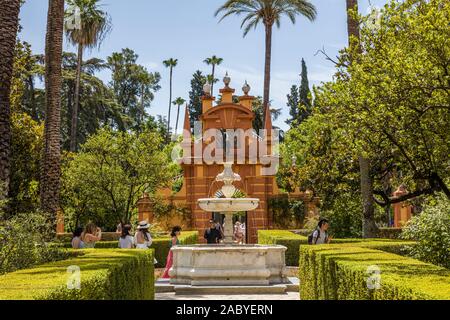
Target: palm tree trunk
x=352 y=24
x=32 y=93
x=178 y=117
x=369 y=227
x=213 y=78
x=267 y=68
x=141 y=118
x=170 y=103
x=76 y=105
x=50 y=164
x=9 y=17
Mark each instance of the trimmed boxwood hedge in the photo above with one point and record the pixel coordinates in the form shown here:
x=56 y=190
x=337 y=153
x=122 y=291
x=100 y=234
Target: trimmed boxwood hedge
x=294 y=241
x=161 y=245
x=105 y=275
x=340 y=272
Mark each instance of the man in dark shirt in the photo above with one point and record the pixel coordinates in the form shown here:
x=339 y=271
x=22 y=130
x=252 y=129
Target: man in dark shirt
x=212 y=235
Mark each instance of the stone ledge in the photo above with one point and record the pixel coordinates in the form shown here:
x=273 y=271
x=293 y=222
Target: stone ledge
x=212 y=290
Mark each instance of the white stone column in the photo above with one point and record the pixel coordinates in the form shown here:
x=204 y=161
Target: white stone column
x=228 y=227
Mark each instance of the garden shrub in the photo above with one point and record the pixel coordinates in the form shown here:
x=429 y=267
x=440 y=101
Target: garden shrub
x=105 y=275
x=390 y=233
x=294 y=241
x=431 y=230
x=342 y=272
x=23 y=242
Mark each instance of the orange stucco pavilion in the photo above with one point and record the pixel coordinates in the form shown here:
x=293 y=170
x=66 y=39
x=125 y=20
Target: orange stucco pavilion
x=199 y=176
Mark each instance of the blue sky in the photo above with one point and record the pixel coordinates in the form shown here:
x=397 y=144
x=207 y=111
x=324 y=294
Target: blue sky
x=187 y=30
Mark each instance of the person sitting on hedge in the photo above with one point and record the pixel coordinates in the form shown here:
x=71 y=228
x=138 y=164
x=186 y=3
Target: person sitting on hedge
x=142 y=238
x=77 y=243
x=320 y=235
x=176 y=231
x=91 y=235
x=126 y=241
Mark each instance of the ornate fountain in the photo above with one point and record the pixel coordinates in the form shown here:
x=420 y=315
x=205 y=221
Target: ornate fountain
x=228 y=205
x=228 y=264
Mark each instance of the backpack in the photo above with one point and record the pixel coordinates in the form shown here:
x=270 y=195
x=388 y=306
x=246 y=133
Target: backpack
x=311 y=237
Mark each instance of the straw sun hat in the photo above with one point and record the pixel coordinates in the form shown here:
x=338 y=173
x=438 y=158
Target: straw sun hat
x=144 y=225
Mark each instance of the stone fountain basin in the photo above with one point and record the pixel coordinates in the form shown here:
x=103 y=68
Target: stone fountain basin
x=228 y=265
x=228 y=204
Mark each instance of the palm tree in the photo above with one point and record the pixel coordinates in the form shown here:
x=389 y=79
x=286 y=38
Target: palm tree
x=50 y=164
x=178 y=102
x=213 y=61
x=370 y=229
x=269 y=13
x=9 y=17
x=171 y=63
x=95 y=24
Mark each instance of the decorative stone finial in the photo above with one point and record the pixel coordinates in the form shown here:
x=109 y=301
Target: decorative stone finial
x=246 y=88
x=227 y=80
x=207 y=88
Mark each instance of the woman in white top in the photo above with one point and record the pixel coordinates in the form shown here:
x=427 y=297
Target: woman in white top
x=126 y=241
x=142 y=238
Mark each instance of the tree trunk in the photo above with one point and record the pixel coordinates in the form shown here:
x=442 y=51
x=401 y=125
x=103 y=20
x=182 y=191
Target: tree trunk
x=213 y=78
x=32 y=95
x=352 y=24
x=9 y=23
x=170 y=103
x=370 y=229
x=76 y=105
x=50 y=164
x=178 y=117
x=267 y=69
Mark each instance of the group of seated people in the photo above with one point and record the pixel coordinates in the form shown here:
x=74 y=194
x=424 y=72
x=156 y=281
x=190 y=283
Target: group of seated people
x=87 y=238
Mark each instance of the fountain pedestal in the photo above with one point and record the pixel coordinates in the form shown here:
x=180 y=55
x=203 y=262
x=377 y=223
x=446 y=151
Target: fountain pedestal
x=228 y=265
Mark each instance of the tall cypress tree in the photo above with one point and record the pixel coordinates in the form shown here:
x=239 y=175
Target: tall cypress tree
x=195 y=101
x=293 y=102
x=305 y=95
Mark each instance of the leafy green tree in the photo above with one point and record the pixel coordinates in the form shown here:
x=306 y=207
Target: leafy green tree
x=104 y=181
x=305 y=95
x=388 y=105
x=27 y=141
x=95 y=24
x=431 y=230
x=23 y=242
x=195 y=94
x=134 y=88
x=293 y=103
x=258 y=110
x=299 y=99
x=268 y=13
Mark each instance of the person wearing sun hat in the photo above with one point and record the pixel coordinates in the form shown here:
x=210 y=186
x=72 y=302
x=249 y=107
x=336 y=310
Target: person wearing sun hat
x=142 y=238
